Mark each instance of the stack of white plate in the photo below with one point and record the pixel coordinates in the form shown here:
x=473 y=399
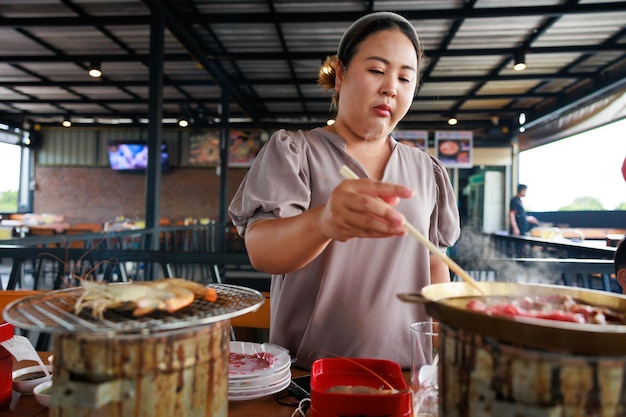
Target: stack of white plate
x=256 y=370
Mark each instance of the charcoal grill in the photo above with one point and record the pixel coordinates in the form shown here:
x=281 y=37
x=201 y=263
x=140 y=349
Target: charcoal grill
x=136 y=366
x=53 y=312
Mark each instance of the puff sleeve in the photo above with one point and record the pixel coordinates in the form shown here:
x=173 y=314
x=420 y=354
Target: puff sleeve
x=445 y=223
x=285 y=194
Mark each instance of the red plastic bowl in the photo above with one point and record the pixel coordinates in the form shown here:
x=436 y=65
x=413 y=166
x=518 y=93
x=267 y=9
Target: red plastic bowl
x=6 y=366
x=331 y=372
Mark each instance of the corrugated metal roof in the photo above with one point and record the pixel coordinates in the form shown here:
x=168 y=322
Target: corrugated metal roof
x=268 y=53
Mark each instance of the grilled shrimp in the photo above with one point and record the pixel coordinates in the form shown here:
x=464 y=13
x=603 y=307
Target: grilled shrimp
x=168 y=294
x=200 y=291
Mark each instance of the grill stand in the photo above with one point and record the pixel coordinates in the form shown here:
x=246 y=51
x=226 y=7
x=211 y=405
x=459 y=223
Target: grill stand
x=172 y=373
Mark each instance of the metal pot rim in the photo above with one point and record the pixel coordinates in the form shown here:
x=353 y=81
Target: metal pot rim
x=442 y=303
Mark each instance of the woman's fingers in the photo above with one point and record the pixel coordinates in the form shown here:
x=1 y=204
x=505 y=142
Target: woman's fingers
x=364 y=208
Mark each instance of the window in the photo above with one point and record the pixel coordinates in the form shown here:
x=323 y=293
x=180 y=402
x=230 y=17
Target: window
x=10 y=165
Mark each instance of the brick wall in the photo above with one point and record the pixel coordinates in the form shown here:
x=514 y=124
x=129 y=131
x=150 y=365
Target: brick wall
x=96 y=195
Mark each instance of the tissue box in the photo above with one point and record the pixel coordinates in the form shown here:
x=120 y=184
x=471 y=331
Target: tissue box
x=6 y=366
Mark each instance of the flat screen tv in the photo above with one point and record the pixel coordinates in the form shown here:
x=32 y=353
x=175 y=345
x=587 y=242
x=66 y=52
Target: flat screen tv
x=132 y=156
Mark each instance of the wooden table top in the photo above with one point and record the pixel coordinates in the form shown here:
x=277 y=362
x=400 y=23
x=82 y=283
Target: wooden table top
x=269 y=406
x=27 y=406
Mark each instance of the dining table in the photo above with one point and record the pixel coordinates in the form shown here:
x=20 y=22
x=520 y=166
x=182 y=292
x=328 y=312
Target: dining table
x=275 y=405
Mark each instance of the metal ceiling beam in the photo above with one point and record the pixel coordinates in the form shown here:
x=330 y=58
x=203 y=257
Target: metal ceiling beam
x=290 y=81
x=598 y=88
x=442 y=78
x=31 y=100
x=321 y=115
x=292 y=71
x=309 y=55
x=417 y=15
x=183 y=25
x=306 y=17
x=191 y=43
x=464 y=124
x=485 y=132
x=444 y=44
x=525 y=44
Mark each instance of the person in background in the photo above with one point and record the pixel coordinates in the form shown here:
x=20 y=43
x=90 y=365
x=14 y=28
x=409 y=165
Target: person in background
x=520 y=222
x=518 y=218
x=620 y=265
x=337 y=248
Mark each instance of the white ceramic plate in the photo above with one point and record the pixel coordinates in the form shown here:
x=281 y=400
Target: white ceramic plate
x=249 y=359
x=257 y=383
x=261 y=392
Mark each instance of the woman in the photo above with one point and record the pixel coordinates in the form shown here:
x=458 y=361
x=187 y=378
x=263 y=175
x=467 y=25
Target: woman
x=336 y=248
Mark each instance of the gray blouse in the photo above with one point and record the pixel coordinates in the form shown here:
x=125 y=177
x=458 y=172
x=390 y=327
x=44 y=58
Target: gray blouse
x=344 y=302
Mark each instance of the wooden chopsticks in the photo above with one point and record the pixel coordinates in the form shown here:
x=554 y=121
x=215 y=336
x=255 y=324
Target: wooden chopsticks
x=454 y=267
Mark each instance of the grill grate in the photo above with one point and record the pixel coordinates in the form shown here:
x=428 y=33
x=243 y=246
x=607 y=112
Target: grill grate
x=53 y=312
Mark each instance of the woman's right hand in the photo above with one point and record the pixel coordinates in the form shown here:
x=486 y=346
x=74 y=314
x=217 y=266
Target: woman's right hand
x=364 y=208
x=356 y=208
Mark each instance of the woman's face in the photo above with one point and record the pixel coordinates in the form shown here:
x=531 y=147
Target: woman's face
x=377 y=87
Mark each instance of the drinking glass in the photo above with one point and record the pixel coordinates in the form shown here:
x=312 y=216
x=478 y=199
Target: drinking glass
x=424 y=365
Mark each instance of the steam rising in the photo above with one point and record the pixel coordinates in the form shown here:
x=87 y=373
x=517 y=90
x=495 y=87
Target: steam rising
x=475 y=252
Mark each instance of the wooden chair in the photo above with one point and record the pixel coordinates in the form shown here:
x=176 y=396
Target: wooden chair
x=44 y=266
x=41 y=231
x=81 y=229
x=89 y=227
x=87 y=243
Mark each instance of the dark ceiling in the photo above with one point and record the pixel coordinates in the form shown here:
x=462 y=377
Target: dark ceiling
x=256 y=62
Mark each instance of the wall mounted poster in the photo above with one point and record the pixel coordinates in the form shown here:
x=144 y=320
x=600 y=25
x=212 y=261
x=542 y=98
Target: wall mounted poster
x=417 y=138
x=454 y=148
x=244 y=146
x=204 y=149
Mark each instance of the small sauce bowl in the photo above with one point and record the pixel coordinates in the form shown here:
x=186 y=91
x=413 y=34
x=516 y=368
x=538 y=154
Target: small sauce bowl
x=26 y=379
x=43 y=392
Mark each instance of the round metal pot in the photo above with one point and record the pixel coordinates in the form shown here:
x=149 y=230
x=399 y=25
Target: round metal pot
x=447 y=302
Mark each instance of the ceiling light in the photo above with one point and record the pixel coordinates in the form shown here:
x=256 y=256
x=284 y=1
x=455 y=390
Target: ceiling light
x=183 y=123
x=520 y=62
x=522 y=119
x=452 y=121
x=67 y=122
x=94 y=70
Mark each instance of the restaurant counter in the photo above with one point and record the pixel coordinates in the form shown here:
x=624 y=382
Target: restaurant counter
x=27 y=406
